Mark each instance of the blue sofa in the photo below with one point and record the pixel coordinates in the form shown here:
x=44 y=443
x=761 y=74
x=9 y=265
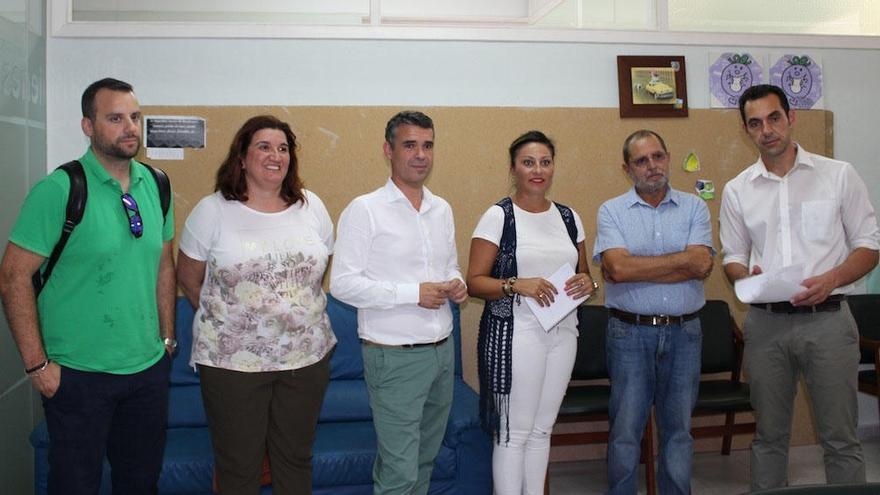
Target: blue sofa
x=345 y=445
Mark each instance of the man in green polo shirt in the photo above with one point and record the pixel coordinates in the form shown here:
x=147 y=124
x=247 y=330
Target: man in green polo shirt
x=96 y=343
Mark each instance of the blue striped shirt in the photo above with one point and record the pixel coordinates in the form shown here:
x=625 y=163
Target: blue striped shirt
x=629 y=222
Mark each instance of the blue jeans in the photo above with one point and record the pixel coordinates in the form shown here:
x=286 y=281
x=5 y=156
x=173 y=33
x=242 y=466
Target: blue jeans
x=121 y=416
x=652 y=365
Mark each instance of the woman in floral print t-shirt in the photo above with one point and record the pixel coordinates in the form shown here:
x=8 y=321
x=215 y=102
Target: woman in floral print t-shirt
x=252 y=258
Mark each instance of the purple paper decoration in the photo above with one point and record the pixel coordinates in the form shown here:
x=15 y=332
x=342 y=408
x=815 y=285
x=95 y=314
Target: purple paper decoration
x=731 y=75
x=800 y=77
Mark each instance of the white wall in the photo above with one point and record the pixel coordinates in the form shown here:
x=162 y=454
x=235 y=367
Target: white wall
x=423 y=73
x=317 y=72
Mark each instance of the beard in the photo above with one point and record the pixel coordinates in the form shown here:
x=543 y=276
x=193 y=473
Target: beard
x=648 y=187
x=115 y=149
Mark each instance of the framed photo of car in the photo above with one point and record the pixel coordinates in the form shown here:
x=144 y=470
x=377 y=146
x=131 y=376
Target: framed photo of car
x=652 y=86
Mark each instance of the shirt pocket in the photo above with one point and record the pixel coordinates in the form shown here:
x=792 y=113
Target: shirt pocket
x=676 y=235
x=818 y=219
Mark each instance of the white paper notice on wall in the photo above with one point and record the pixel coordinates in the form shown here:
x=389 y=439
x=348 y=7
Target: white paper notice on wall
x=165 y=136
x=165 y=153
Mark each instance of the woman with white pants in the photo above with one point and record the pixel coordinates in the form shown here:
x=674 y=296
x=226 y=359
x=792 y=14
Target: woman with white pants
x=524 y=370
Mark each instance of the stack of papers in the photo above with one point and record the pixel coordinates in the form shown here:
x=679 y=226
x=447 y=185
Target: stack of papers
x=774 y=286
x=549 y=316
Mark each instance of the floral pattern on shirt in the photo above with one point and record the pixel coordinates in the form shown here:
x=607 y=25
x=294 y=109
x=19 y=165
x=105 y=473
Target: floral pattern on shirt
x=265 y=314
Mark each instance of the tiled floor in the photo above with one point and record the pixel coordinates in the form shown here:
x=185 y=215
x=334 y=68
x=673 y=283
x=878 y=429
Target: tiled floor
x=713 y=474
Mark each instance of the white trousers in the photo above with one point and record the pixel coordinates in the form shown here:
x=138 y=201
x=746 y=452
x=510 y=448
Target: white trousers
x=542 y=363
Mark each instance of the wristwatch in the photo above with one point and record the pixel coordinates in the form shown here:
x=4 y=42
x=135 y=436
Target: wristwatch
x=169 y=342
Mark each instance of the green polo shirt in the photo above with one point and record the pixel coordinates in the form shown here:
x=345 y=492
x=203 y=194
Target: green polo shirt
x=98 y=309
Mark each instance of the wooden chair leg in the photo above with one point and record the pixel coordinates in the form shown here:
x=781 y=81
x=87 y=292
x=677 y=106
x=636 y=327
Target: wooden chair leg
x=547 y=481
x=878 y=395
x=728 y=432
x=876 y=388
x=648 y=456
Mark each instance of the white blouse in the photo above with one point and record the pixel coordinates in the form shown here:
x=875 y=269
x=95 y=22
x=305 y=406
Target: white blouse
x=261 y=307
x=542 y=246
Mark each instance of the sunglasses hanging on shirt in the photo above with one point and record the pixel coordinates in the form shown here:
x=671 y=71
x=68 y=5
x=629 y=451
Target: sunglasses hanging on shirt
x=134 y=219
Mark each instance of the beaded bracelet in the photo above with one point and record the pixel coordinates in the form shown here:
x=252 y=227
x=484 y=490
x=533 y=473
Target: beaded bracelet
x=507 y=286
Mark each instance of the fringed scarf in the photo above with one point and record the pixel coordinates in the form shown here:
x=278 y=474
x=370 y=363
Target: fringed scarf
x=495 y=341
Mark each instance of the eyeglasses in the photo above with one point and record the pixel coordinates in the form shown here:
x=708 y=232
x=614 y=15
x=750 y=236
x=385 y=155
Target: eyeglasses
x=643 y=161
x=134 y=221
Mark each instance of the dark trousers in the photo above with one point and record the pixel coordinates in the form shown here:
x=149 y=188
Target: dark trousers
x=121 y=416
x=252 y=413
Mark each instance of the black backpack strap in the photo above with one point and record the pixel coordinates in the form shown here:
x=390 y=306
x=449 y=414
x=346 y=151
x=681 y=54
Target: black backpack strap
x=76 y=205
x=164 y=185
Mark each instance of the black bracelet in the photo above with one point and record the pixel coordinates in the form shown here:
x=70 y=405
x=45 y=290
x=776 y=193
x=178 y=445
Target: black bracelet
x=36 y=369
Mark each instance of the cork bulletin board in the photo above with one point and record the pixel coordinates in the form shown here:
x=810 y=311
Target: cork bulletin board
x=340 y=156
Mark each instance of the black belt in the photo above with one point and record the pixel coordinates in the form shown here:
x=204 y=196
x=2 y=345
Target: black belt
x=650 y=320
x=830 y=304
x=404 y=346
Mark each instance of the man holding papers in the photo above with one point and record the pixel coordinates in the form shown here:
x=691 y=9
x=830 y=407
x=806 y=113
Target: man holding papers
x=792 y=207
x=655 y=246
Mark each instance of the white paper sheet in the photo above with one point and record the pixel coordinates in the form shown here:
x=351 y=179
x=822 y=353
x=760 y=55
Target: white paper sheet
x=549 y=316
x=165 y=153
x=773 y=286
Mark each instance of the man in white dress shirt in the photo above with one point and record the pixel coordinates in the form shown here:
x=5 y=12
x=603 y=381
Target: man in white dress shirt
x=396 y=261
x=795 y=207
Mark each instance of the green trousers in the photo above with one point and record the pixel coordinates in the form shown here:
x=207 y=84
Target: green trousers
x=410 y=396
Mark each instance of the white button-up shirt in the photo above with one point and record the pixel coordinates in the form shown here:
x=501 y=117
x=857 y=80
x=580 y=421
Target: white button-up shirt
x=384 y=250
x=816 y=215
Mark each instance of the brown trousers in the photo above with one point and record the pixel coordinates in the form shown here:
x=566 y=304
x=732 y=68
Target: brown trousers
x=252 y=413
